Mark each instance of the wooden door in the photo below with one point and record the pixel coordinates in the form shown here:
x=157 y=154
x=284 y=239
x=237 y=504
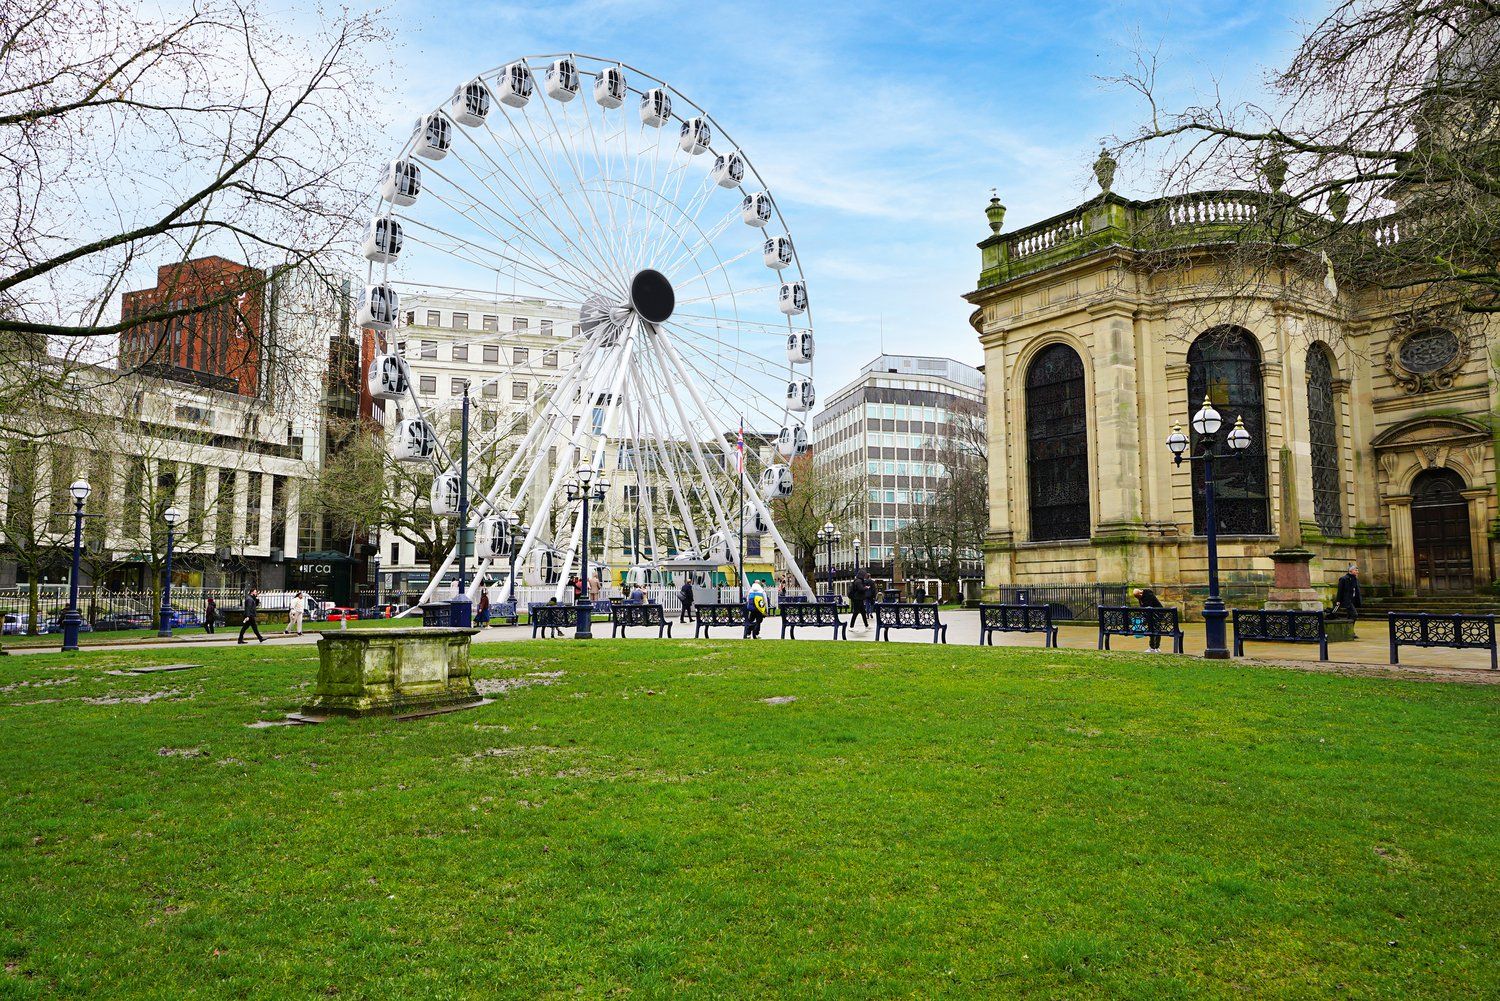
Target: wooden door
x=1440 y=533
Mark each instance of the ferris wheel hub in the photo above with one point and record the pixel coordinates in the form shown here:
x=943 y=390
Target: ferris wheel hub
x=652 y=296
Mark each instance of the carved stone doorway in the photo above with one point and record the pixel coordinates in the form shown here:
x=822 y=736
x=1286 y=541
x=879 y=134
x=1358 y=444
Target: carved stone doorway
x=1441 y=545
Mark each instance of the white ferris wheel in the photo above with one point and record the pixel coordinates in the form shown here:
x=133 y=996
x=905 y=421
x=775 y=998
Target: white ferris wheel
x=598 y=188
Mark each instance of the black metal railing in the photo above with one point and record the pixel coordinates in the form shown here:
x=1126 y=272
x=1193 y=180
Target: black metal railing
x=1068 y=602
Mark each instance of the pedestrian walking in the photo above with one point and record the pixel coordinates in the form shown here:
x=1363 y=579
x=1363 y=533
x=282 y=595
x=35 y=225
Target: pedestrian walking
x=294 y=614
x=685 y=597
x=1347 y=601
x=594 y=590
x=1146 y=598
x=210 y=612
x=857 y=610
x=482 y=616
x=252 y=616
x=755 y=610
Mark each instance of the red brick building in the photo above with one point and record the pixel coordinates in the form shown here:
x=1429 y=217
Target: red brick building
x=220 y=346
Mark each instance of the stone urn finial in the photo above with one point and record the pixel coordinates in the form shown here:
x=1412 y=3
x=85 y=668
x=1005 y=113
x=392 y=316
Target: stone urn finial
x=1104 y=170
x=995 y=213
x=1274 y=171
x=1338 y=204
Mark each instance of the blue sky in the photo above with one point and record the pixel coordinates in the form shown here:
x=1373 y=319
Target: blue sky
x=882 y=127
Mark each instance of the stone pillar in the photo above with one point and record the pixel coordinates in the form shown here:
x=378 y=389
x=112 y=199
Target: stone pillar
x=1116 y=445
x=999 y=562
x=1478 y=534
x=1403 y=553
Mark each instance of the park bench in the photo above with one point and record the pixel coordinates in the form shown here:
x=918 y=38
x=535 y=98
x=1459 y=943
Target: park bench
x=621 y=616
x=504 y=611
x=1016 y=619
x=1457 y=632
x=553 y=617
x=1132 y=620
x=808 y=614
x=899 y=615
x=718 y=615
x=1279 y=626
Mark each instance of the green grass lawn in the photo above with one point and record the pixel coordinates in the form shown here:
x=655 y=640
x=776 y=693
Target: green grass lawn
x=634 y=818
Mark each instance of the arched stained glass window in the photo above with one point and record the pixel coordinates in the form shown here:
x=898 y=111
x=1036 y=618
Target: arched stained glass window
x=1323 y=439
x=1057 y=448
x=1224 y=365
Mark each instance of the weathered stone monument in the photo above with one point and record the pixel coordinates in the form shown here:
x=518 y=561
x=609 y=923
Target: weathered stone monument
x=392 y=672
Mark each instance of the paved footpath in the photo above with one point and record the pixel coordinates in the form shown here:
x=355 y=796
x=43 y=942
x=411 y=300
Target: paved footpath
x=1366 y=655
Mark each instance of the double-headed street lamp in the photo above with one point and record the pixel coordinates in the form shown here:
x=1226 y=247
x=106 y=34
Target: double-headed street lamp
x=1206 y=424
x=586 y=489
x=828 y=535
x=171 y=516
x=518 y=531
x=71 y=618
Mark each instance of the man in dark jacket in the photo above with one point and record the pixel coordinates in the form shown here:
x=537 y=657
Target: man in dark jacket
x=685 y=596
x=1348 y=599
x=252 y=613
x=857 y=594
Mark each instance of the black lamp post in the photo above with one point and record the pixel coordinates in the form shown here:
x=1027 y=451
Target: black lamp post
x=828 y=535
x=460 y=608
x=518 y=531
x=376 y=561
x=71 y=618
x=856 y=554
x=1206 y=424
x=586 y=489
x=171 y=516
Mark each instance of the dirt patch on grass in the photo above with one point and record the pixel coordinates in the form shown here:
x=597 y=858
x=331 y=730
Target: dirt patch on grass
x=1452 y=675
x=779 y=700
x=40 y=683
x=181 y=752
x=140 y=700
x=500 y=686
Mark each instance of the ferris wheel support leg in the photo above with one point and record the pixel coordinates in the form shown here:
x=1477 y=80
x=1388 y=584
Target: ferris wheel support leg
x=754 y=498
x=670 y=380
x=683 y=509
x=504 y=479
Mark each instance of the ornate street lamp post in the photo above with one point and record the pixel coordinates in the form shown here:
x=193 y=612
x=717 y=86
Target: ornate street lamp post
x=460 y=608
x=1206 y=424
x=518 y=531
x=171 y=516
x=585 y=489
x=376 y=561
x=828 y=535
x=856 y=554
x=71 y=618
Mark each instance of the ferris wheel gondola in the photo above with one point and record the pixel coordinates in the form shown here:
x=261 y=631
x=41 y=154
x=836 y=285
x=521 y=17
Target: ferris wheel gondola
x=625 y=222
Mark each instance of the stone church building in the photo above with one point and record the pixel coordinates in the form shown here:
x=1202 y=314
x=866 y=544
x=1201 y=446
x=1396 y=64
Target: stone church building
x=1380 y=413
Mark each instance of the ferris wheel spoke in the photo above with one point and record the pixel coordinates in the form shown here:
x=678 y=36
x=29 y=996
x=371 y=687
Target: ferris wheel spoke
x=753 y=399
x=551 y=178
x=537 y=211
x=562 y=149
x=688 y=212
x=557 y=287
x=515 y=219
x=569 y=261
x=726 y=294
x=707 y=239
x=564 y=251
